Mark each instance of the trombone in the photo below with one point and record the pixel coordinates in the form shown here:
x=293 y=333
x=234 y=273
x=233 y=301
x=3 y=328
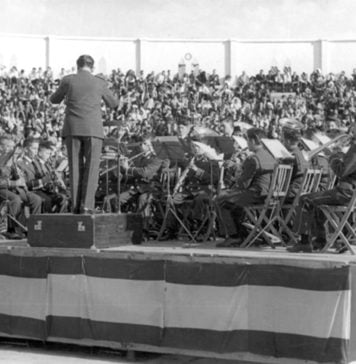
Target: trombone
x=338 y=139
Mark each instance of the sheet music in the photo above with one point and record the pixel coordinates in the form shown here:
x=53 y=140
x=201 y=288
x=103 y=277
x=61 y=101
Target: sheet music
x=277 y=149
x=309 y=144
x=322 y=138
x=242 y=142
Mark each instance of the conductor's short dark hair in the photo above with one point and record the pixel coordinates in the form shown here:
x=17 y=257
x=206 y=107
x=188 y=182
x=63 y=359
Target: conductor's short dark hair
x=85 y=61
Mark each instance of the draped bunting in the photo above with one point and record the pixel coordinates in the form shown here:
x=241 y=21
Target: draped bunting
x=271 y=310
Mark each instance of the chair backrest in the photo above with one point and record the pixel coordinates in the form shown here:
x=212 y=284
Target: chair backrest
x=280 y=182
x=311 y=181
x=332 y=181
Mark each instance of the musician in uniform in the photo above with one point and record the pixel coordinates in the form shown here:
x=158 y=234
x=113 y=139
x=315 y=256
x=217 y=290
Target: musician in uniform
x=198 y=191
x=202 y=181
x=13 y=188
x=321 y=161
x=309 y=223
x=291 y=134
x=250 y=188
x=40 y=176
x=143 y=178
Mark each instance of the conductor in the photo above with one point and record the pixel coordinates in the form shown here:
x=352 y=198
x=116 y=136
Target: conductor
x=83 y=130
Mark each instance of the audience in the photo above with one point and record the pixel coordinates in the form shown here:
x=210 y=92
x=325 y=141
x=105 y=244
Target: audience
x=159 y=103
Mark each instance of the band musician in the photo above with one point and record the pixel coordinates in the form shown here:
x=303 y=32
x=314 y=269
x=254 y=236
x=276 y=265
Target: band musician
x=309 y=223
x=251 y=187
x=41 y=178
x=141 y=179
x=13 y=188
x=197 y=188
x=291 y=135
x=202 y=184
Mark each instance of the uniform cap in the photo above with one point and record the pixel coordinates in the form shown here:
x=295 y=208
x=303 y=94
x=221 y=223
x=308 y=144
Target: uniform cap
x=292 y=125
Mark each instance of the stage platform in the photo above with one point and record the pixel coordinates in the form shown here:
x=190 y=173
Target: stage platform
x=253 y=305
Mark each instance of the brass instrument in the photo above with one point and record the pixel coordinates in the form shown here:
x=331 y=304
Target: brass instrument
x=316 y=151
x=121 y=158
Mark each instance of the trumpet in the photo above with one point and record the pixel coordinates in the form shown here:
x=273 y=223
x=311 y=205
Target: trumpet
x=342 y=137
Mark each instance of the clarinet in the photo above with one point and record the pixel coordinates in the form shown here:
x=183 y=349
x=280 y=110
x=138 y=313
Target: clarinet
x=183 y=177
x=18 y=173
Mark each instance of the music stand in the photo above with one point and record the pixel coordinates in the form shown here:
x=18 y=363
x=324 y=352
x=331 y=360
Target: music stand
x=174 y=149
x=171 y=147
x=222 y=144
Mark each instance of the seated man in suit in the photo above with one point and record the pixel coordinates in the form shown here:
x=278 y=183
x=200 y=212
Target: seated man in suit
x=40 y=177
x=309 y=222
x=251 y=187
x=197 y=190
x=13 y=188
x=142 y=178
x=291 y=134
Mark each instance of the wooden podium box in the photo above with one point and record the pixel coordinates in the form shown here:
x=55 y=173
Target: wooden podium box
x=84 y=231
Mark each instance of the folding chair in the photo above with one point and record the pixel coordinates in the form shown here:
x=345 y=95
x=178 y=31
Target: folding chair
x=310 y=183
x=332 y=181
x=264 y=217
x=342 y=220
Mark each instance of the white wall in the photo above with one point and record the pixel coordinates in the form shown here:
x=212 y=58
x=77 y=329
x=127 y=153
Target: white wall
x=226 y=56
x=255 y=55
x=342 y=55
x=108 y=54
x=158 y=55
x=23 y=52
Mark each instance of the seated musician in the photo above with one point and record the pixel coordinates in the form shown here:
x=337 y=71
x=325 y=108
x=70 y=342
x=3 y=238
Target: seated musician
x=321 y=161
x=142 y=178
x=198 y=191
x=251 y=187
x=291 y=134
x=13 y=189
x=41 y=178
x=202 y=181
x=310 y=220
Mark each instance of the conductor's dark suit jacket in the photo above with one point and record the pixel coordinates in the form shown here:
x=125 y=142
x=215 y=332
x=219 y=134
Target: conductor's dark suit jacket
x=83 y=131
x=83 y=93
